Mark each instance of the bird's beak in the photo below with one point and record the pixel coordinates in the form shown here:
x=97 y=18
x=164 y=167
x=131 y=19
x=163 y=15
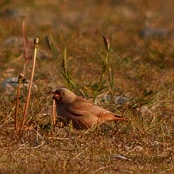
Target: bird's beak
x=56 y=96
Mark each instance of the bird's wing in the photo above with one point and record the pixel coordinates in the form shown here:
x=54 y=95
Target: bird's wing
x=86 y=114
x=82 y=107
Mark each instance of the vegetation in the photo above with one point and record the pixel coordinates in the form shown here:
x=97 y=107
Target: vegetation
x=101 y=50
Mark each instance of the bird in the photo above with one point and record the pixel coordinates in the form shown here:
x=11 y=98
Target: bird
x=82 y=113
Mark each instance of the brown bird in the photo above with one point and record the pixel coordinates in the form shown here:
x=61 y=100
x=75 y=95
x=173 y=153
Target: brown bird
x=79 y=110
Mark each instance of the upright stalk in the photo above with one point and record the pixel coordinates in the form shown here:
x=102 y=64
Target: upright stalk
x=20 y=78
x=36 y=41
x=25 y=44
x=106 y=69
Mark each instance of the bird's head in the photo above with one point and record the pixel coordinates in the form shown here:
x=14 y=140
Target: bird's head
x=63 y=95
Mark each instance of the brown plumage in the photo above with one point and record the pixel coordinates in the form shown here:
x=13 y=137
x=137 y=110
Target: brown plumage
x=83 y=113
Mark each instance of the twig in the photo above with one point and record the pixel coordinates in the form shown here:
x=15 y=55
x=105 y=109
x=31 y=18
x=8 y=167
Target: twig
x=59 y=138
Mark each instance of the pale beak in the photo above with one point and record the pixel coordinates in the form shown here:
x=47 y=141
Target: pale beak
x=56 y=96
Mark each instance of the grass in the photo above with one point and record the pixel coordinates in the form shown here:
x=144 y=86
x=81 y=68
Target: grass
x=73 y=56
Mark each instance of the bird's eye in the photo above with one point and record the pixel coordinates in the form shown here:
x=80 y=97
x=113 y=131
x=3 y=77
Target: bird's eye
x=63 y=93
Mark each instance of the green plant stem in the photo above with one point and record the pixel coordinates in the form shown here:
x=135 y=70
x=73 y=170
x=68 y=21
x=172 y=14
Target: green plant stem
x=65 y=71
x=110 y=72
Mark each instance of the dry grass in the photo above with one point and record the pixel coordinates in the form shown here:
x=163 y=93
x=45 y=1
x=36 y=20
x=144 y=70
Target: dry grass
x=142 y=68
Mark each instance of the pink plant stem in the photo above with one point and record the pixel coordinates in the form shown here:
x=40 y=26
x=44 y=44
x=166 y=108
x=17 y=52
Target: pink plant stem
x=25 y=44
x=20 y=78
x=30 y=84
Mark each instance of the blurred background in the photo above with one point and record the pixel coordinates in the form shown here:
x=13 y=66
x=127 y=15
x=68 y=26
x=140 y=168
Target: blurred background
x=141 y=31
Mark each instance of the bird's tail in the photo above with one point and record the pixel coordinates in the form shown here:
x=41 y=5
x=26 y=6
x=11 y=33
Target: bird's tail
x=117 y=117
x=111 y=117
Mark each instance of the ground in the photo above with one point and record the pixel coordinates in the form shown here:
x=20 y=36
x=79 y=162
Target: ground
x=101 y=50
